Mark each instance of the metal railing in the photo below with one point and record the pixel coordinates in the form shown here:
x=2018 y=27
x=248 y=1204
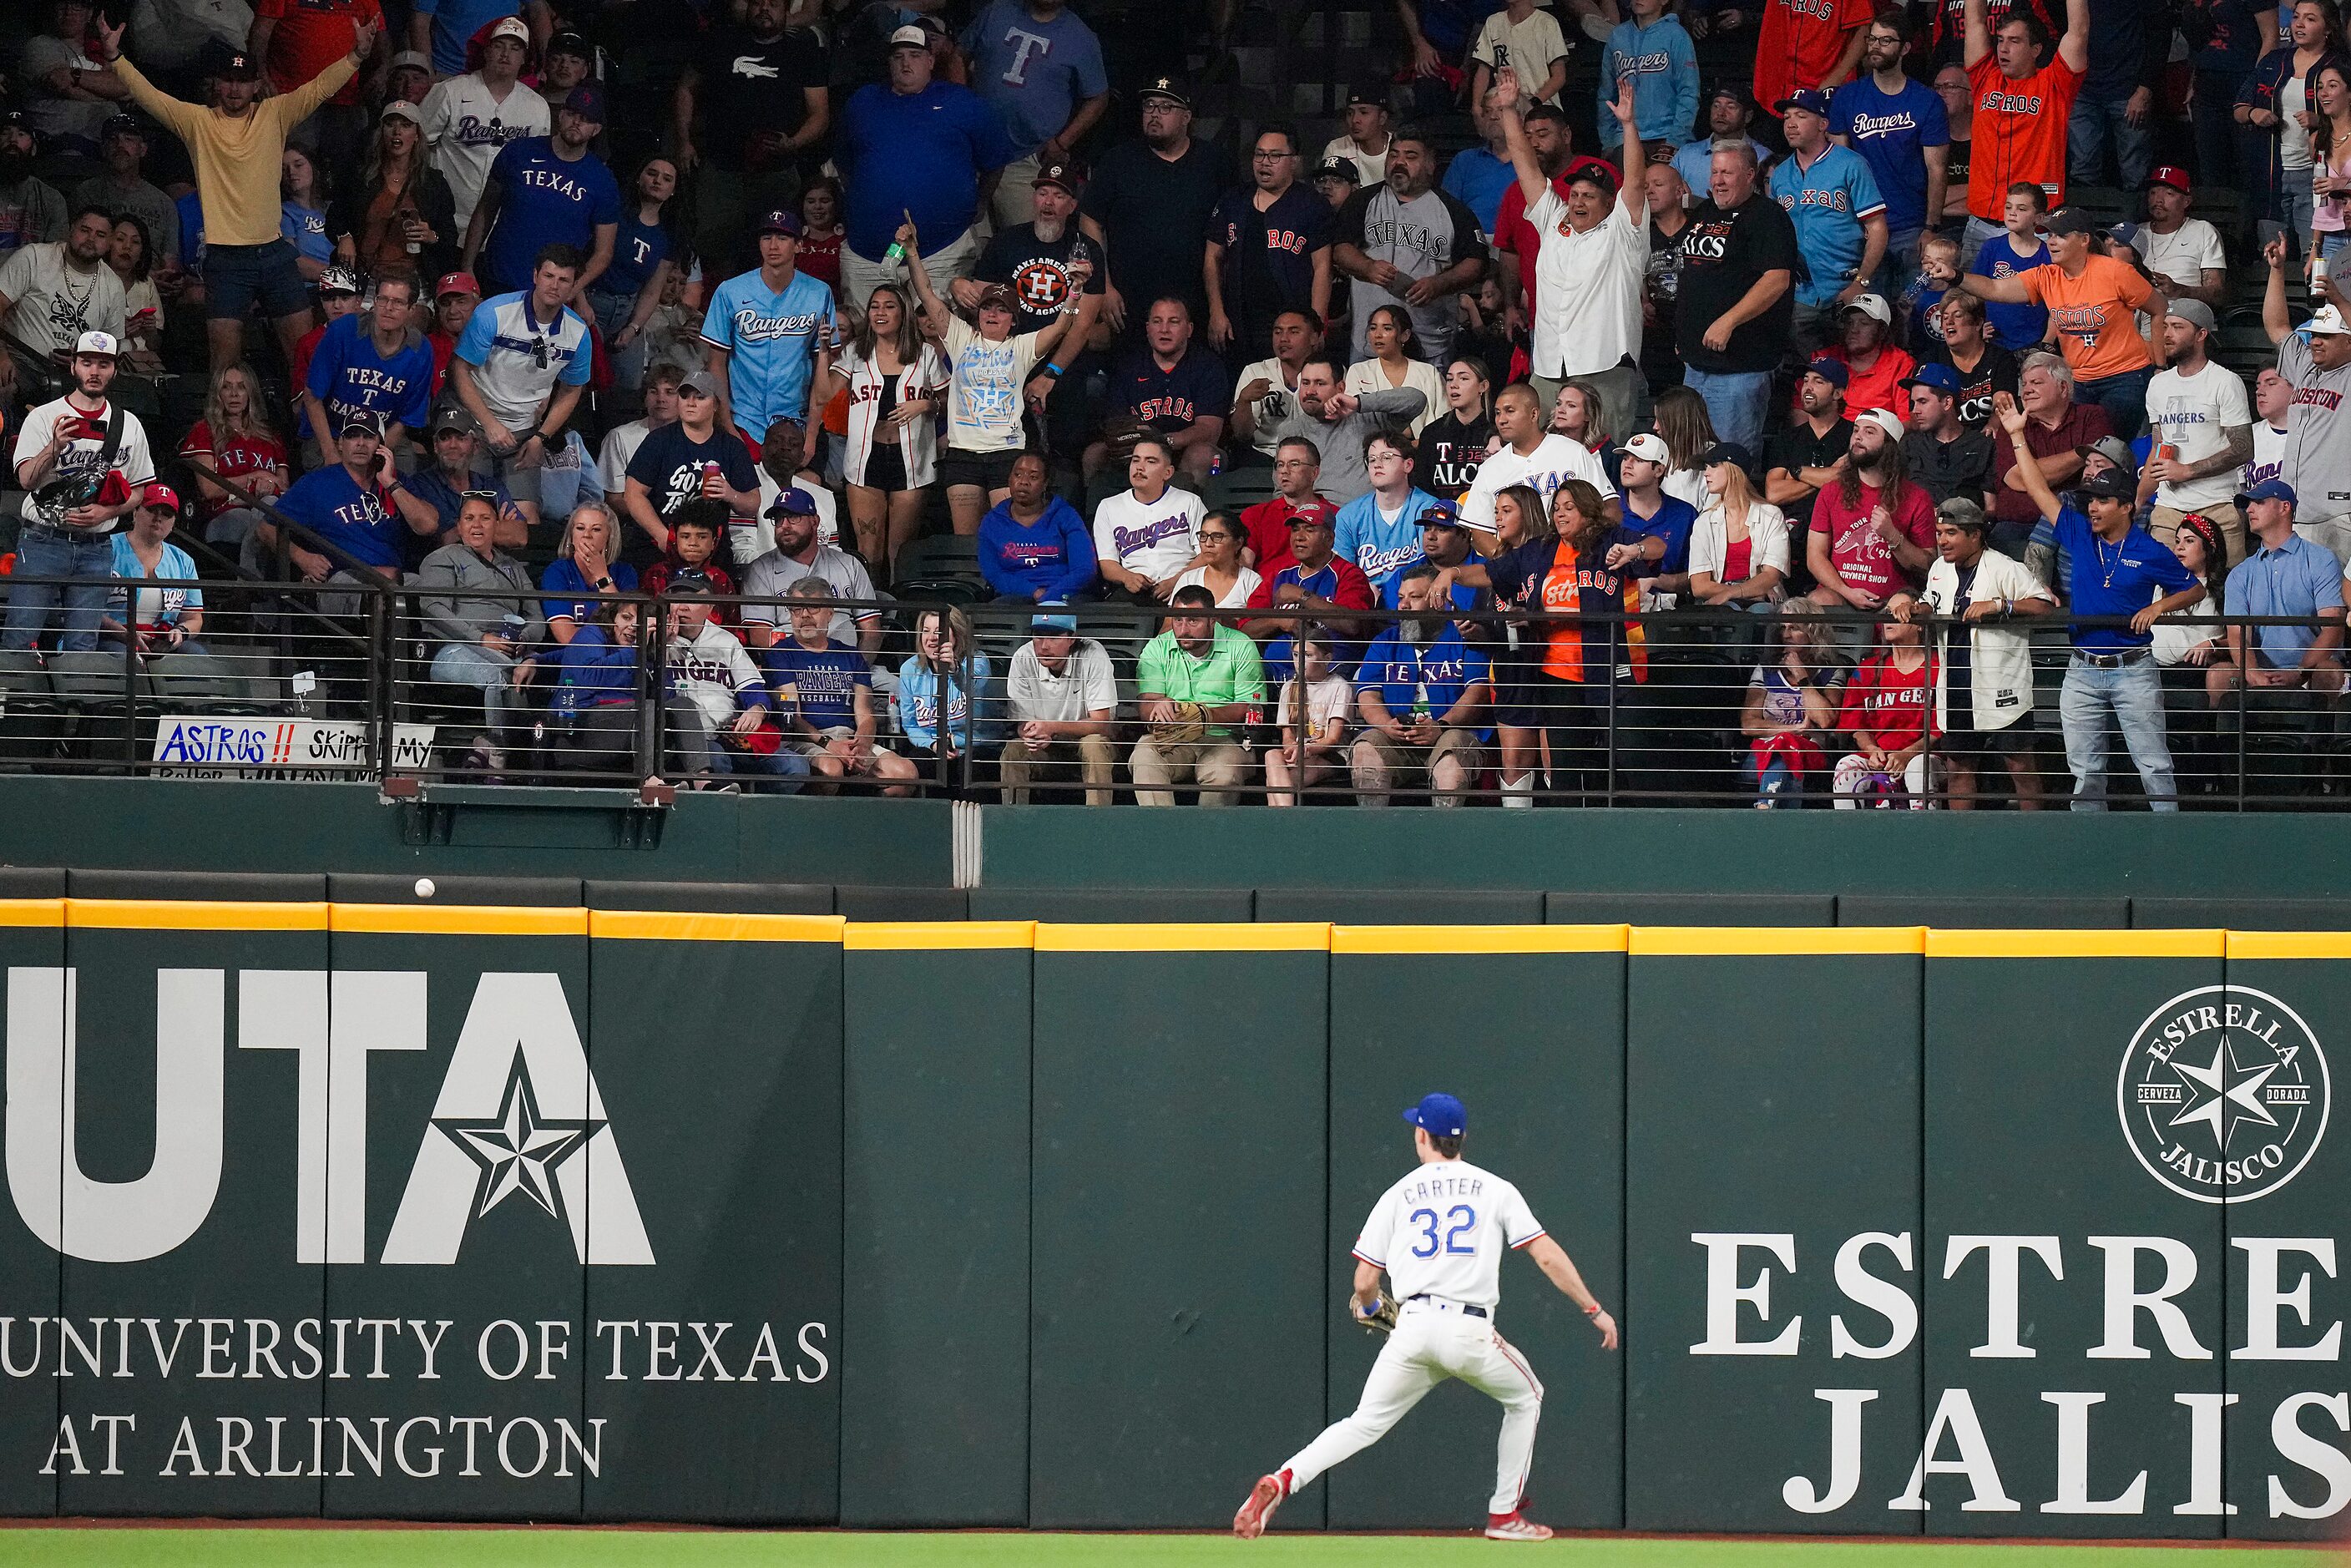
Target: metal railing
x=366 y=679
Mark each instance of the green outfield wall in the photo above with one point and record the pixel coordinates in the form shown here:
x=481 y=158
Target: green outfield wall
x=353 y=1206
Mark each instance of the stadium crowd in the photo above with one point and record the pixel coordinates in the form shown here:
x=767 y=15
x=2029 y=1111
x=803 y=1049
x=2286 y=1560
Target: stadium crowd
x=1845 y=350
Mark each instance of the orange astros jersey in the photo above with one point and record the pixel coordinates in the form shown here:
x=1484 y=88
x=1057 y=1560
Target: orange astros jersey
x=2020 y=132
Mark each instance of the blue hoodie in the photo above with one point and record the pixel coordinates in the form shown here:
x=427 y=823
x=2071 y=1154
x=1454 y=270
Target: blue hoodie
x=1663 y=64
x=1056 y=552
x=590 y=672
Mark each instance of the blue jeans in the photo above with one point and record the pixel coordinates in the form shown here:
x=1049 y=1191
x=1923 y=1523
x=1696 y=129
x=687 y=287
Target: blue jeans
x=2299 y=206
x=2134 y=694
x=43 y=552
x=1736 y=402
x=2094 y=123
x=612 y=313
x=783 y=763
x=2124 y=397
x=1776 y=783
x=471 y=664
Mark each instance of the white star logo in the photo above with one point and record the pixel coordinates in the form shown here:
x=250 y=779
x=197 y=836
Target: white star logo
x=2231 y=1094
x=518 y=1151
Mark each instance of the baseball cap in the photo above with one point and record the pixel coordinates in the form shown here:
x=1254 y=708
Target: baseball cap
x=339 y=280
x=1339 y=169
x=1728 y=451
x=1811 y=99
x=1439 y=1116
x=1885 y=421
x=2327 y=323
x=1833 y=370
x=97 y=343
x=160 y=496
x=782 y=220
x=2114 y=483
x=455 y=283
x=1314 y=509
x=690 y=580
x=2268 y=490
x=1067 y=173
x=236 y=65
x=2113 y=448
x=358 y=419
x=1593 y=172
x=2070 y=221
x=1442 y=514
x=1942 y=377
x=792 y=502
x=1366 y=99
x=701 y=383
x=1060 y=619
x=1173 y=89
x=456 y=416
x=125 y=125
x=2170 y=175
x=412 y=60
x=507 y=27
x=1649 y=447
x=1873 y=306
x=996 y=297
x=910 y=37
x=401 y=108
x=573 y=44
x=1735 y=92
x=15 y=117
x=2195 y=312
x=587 y=101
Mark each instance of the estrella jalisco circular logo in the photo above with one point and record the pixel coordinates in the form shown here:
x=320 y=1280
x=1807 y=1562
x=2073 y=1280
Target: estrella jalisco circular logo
x=2223 y=1094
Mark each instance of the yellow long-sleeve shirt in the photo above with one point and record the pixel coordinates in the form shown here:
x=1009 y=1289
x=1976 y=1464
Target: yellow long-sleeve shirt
x=237 y=156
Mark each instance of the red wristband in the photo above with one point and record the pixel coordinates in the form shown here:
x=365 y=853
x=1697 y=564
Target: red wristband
x=1593 y=1311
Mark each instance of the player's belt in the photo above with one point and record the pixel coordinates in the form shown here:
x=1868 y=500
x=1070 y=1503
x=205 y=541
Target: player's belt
x=1463 y=1308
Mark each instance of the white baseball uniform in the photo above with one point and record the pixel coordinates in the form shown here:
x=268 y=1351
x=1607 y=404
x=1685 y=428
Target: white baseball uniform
x=1440 y=1234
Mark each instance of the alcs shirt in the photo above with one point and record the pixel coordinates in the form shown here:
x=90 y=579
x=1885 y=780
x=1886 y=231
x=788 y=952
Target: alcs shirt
x=1723 y=254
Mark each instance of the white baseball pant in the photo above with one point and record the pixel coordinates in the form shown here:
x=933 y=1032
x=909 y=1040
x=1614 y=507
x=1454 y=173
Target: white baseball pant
x=1433 y=1341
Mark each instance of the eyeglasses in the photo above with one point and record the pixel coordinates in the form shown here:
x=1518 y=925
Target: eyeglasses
x=489 y=496
x=1271 y=157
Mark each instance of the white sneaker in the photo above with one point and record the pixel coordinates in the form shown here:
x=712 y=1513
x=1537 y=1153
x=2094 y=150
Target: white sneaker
x=1516 y=1527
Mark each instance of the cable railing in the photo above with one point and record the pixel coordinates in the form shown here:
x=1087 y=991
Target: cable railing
x=382 y=680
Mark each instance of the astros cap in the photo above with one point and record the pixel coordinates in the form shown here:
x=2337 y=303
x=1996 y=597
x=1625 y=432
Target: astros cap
x=2327 y=323
x=1066 y=173
x=1439 y=1116
x=1649 y=447
x=1172 y=89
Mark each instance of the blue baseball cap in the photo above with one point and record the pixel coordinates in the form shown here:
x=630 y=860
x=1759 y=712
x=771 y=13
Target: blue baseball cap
x=1833 y=370
x=1441 y=515
x=1439 y=1116
x=792 y=502
x=587 y=101
x=2269 y=490
x=1053 y=615
x=1811 y=99
x=1942 y=377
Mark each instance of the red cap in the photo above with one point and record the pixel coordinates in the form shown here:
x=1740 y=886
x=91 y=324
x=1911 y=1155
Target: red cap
x=1314 y=509
x=161 y=496
x=2169 y=174
x=455 y=283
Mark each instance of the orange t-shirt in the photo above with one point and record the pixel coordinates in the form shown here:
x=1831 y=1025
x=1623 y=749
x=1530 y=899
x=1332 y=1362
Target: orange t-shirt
x=1799 y=42
x=2020 y=130
x=2092 y=315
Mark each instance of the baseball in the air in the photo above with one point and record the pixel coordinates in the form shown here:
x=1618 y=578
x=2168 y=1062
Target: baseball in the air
x=423 y=887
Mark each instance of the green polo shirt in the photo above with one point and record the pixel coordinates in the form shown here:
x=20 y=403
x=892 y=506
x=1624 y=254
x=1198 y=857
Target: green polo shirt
x=1231 y=673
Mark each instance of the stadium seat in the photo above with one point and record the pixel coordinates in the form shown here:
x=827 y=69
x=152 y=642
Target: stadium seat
x=28 y=707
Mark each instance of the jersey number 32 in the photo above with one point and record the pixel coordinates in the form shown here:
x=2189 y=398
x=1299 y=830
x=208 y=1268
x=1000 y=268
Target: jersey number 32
x=1459 y=1221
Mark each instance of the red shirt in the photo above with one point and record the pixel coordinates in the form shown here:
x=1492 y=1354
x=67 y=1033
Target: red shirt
x=1890 y=705
x=1265 y=528
x=1880 y=386
x=443 y=346
x=254 y=451
x=1514 y=233
x=1796 y=46
x=2020 y=132
x=2084 y=423
x=312 y=34
x=1863 y=559
x=1351 y=589
x=820 y=258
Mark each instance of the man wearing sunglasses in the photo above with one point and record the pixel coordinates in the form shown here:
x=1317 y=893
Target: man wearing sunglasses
x=519 y=369
x=440 y=490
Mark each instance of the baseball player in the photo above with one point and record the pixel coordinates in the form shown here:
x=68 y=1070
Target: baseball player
x=1439 y=1233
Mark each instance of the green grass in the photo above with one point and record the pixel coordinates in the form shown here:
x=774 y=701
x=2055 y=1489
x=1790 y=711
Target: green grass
x=426 y=1548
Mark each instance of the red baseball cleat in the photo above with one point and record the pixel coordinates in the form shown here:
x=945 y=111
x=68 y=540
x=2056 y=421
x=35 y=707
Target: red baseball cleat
x=1514 y=1526
x=1263 y=1498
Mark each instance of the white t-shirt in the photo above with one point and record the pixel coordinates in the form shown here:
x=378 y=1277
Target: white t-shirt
x=620 y=444
x=50 y=305
x=1333 y=696
x=1554 y=461
x=464 y=126
x=2193 y=414
x=1371 y=168
x=131 y=455
x=984 y=395
x=1527 y=47
x=1441 y=1231
x=1264 y=434
x=1589 y=288
x=1153 y=542
x=1244 y=586
x=1086 y=686
x=2182 y=255
x=2268 y=454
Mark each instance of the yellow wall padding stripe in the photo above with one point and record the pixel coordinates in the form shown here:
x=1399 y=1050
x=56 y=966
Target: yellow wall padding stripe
x=2076 y=944
x=1238 y=936
x=662 y=925
x=919 y=935
x=32 y=912
x=1442 y=940
x=1773 y=941
x=193 y=915
x=459 y=920
x=2289 y=944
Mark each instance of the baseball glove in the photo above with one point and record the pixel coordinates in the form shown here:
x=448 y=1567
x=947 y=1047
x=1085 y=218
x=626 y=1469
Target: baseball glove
x=1380 y=1319
x=1189 y=724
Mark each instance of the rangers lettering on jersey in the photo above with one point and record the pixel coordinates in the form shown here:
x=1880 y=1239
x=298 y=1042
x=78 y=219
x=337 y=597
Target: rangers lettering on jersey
x=750 y=327
x=1130 y=541
x=471 y=131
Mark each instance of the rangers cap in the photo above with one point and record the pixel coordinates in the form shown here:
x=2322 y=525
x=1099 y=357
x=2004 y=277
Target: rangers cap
x=161 y=496
x=1439 y=1116
x=1053 y=615
x=780 y=221
x=456 y=283
x=2268 y=490
x=97 y=343
x=792 y=502
x=1314 y=512
x=507 y=27
x=1937 y=378
x=700 y=383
